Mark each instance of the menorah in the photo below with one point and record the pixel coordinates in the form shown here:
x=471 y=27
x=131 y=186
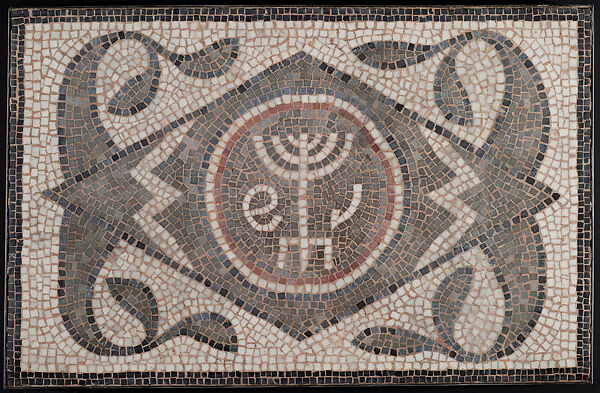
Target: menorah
x=305 y=154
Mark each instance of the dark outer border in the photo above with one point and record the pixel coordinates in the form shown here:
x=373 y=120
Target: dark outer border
x=18 y=18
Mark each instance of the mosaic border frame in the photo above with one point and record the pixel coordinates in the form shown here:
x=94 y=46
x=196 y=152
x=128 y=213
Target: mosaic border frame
x=18 y=18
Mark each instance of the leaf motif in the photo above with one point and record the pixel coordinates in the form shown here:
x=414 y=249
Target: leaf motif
x=394 y=341
x=480 y=323
x=210 y=328
x=137 y=299
x=448 y=301
x=392 y=54
x=210 y=62
x=450 y=94
x=138 y=92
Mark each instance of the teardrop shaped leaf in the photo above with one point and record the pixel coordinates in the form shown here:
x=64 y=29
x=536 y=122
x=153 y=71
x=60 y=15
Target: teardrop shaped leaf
x=137 y=299
x=210 y=328
x=450 y=94
x=210 y=62
x=138 y=92
x=448 y=301
x=392 y=54
x=394 y=341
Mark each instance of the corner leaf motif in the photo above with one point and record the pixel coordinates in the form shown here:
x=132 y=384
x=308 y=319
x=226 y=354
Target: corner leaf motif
x=210 y=328
x=210 y=62
x=138 y=300
x=392 y=54
x=137 y=93
x=450 y=94
x=448 y=302
x=394 y=341
x=447 y=306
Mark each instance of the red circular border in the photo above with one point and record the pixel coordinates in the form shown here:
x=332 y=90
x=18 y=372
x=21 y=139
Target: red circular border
x=221 y=217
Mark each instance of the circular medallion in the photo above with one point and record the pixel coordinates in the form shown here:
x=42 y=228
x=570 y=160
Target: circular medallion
x=306 y=194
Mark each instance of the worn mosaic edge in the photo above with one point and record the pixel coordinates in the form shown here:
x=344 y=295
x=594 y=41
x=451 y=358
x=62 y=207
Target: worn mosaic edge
x=15 y=377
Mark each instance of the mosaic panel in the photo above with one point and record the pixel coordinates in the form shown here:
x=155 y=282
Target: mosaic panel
x=299 y=196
